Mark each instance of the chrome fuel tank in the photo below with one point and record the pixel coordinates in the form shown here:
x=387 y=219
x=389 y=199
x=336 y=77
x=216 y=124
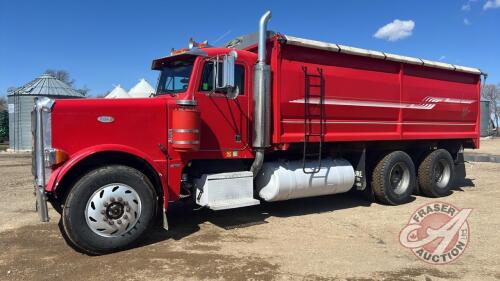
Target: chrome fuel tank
x=284 y=180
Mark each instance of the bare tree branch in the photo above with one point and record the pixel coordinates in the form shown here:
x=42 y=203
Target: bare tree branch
x=62 y=75
x=491 y=93
x=3 y=104
x=84 y=90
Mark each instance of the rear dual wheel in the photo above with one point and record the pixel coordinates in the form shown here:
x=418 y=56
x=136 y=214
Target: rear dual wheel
x=436 y=173
x=393 y=179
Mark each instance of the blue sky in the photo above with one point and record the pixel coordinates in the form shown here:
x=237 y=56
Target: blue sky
x=103 y=43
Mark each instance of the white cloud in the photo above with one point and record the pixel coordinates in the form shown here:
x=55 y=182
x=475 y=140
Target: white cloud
x=468 y=5
x=467 y=21
x=396 y=30
x=491 y=4
x=442 y=57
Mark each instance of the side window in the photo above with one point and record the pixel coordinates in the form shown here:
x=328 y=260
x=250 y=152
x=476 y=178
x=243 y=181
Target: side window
x=207 y=77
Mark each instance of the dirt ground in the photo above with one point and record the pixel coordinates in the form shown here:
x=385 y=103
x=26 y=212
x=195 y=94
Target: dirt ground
x=487 y=145
x=339 y=237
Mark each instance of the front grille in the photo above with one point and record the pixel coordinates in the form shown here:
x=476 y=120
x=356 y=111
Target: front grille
x=42 y=138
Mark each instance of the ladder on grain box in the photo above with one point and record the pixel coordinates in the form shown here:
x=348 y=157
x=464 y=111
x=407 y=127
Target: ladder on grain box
x=314 y=119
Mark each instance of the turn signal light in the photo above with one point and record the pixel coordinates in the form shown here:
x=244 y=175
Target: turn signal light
x=54 y=156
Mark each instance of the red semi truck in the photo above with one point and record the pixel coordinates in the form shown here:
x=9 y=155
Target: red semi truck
x=267 y=117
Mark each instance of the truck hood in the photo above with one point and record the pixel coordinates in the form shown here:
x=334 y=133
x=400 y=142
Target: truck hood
x=137 y=123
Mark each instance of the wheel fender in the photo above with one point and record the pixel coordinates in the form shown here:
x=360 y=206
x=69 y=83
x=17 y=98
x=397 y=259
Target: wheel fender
x=58 y=174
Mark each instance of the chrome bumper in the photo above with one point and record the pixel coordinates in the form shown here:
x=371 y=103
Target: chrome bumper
x=41 y=129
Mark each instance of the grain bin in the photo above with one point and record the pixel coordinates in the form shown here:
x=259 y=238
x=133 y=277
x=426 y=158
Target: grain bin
x=485 y=118
x=20 y=104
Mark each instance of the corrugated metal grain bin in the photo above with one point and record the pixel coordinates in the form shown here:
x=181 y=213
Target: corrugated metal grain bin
x=20 y=104
x=485 y=118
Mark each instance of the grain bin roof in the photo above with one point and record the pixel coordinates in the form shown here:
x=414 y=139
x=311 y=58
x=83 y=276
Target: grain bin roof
x=46 y=85
x=141 y=90
x=118 y=93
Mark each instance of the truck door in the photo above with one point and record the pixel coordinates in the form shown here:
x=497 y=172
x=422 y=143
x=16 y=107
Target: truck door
x=224 y=119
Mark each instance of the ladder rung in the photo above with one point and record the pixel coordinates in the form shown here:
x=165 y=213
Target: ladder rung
x=312 y=154
x=313 y=82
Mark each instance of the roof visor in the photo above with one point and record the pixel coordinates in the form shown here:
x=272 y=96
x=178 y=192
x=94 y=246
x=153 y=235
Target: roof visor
x=158 y=63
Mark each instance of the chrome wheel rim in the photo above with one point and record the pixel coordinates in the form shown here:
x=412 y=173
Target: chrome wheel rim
x=442 y=173
x=113 y=210
x=399 y=178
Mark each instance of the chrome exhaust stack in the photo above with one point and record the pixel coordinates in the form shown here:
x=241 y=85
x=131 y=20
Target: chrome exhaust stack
x=261 y=99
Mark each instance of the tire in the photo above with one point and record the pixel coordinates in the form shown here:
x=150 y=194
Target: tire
x=436 y=173
x=108 y=209
x=393 y=178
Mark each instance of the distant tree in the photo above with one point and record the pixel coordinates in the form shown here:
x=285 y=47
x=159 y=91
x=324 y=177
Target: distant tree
x=84 y=90
x=491 y=93
x=4 y=124
x=64 y=76
x=3 y=104
x=103 y=95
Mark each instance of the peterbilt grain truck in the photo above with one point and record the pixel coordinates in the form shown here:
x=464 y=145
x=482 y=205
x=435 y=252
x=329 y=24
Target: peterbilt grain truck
x=267 y=117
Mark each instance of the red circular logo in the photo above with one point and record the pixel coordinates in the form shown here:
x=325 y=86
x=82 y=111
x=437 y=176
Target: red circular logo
x=437 y=232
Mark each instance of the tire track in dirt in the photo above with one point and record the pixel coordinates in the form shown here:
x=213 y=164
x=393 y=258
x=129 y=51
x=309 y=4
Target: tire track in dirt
x=40 y=253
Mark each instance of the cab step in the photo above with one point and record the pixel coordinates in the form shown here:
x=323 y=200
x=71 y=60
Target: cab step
x=226 y=190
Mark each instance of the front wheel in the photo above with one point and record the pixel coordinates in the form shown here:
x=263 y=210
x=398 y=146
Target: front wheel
x=108 y=209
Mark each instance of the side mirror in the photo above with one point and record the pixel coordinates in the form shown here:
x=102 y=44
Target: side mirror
x=227 y=76
x=228 y=70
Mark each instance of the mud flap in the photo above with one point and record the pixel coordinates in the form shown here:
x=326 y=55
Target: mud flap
x=460 y=172
x=165 y=220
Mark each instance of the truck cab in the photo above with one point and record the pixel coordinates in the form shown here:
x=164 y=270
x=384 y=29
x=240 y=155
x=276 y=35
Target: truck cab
x=139 y=137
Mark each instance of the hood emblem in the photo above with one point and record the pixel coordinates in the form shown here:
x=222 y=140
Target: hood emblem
x=105 y=119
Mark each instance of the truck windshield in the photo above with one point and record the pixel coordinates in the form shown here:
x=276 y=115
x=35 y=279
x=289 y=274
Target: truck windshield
x=174 y=77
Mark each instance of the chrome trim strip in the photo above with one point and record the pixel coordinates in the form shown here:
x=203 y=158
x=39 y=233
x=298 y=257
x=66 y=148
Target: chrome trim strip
x=185 y=142
x=194 y=131
x=186 y=102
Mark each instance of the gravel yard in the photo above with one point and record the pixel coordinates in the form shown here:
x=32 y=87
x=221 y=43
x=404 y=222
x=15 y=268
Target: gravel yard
x=489 y=146
x=340 y=237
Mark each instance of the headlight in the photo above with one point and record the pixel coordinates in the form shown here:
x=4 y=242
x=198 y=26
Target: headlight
x=54 y=157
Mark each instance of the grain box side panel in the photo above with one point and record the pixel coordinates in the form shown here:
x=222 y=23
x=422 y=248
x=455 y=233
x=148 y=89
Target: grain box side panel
x=441 y=104
x=362 y=95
